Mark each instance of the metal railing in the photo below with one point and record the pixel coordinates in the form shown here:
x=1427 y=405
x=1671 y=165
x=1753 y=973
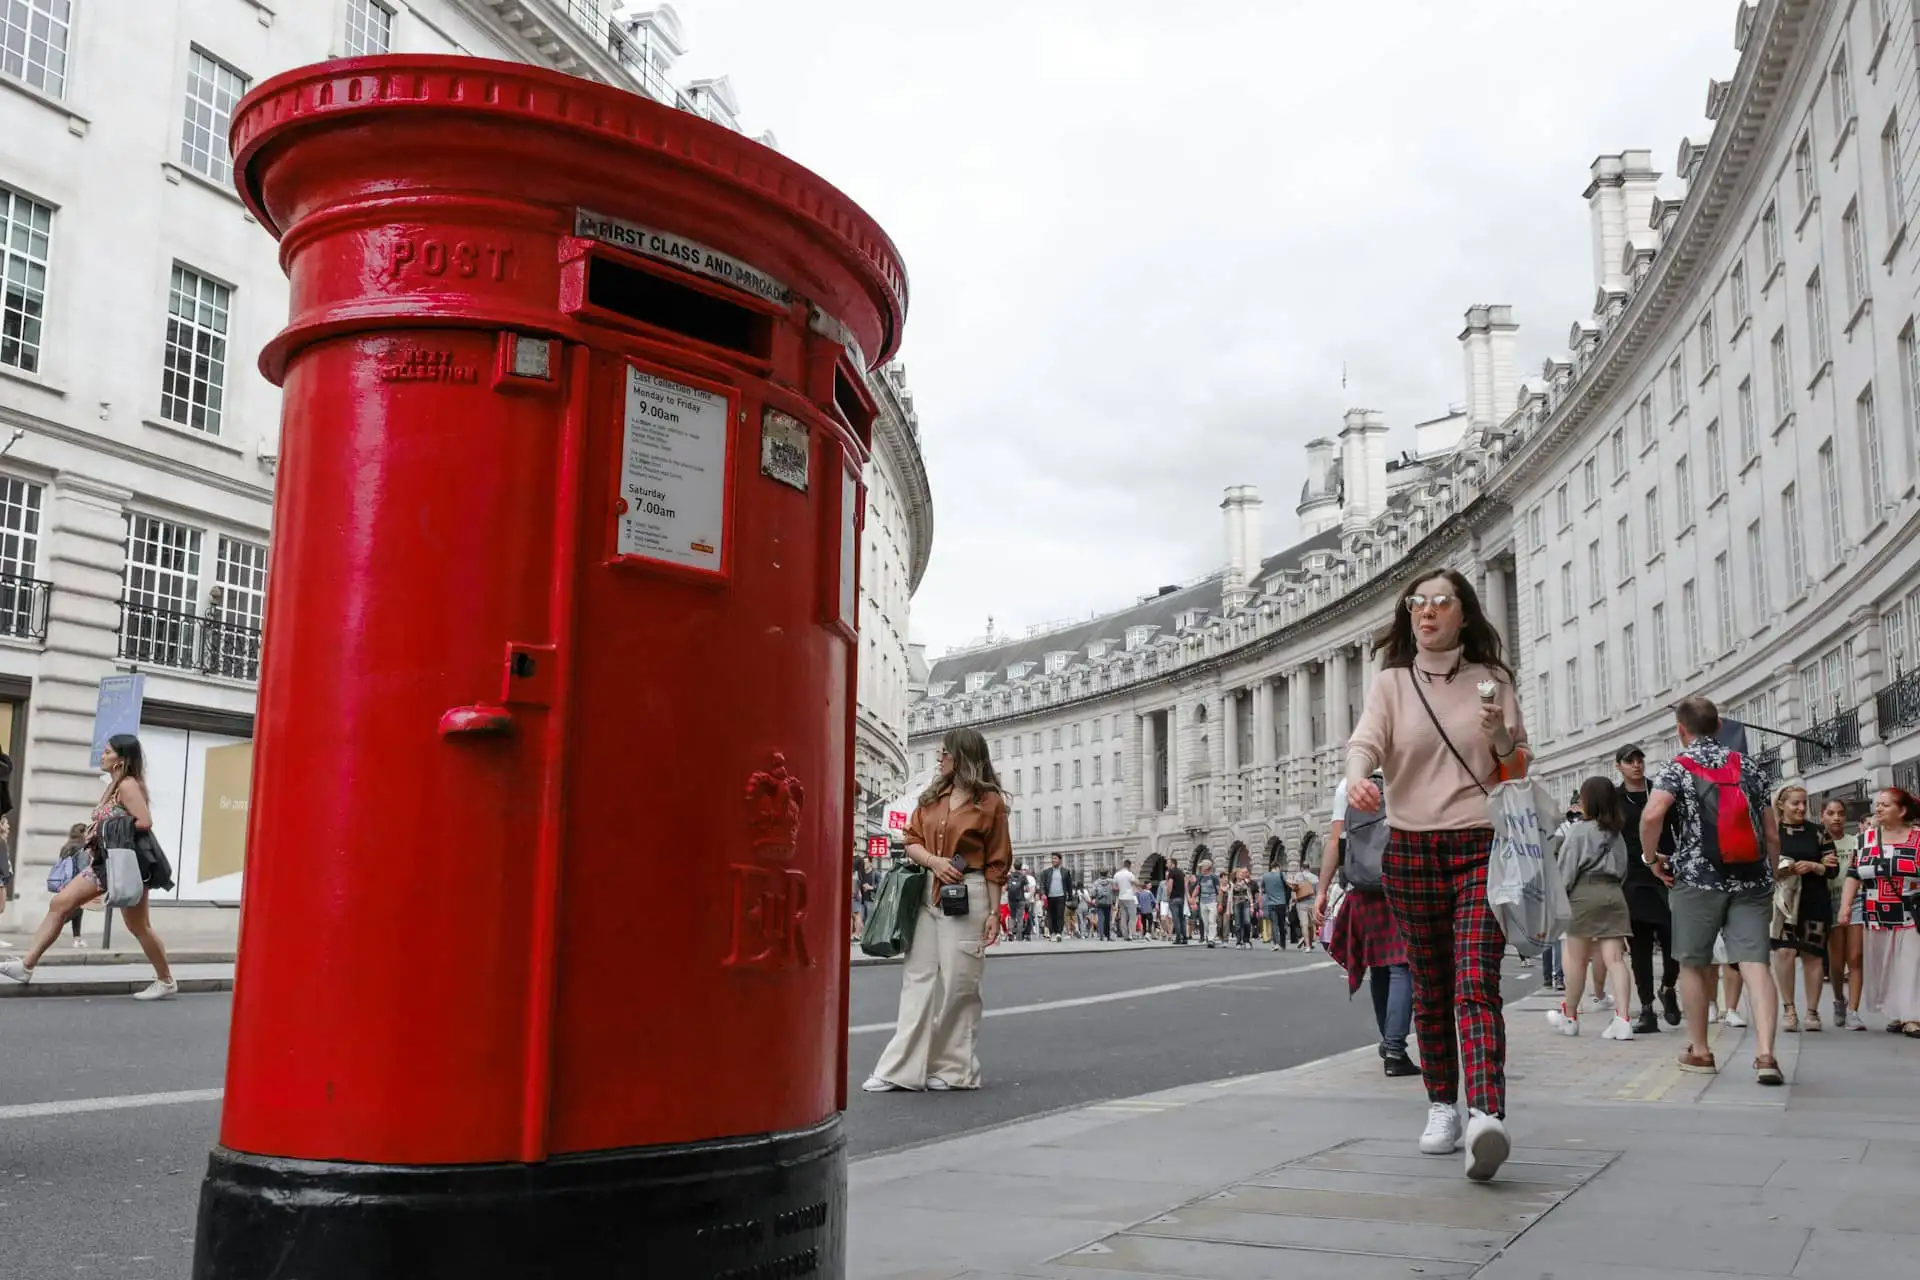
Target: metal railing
x=23 y=606
x=1772 y=764
x=1833 y=740
x=1899 y=704
x=211 y=645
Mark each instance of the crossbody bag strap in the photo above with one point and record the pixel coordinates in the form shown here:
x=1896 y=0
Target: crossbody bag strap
x=1439 y=728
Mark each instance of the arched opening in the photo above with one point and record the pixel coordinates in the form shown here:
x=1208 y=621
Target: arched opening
x=1310 y=852
x=1276 y=853
x=1238 y=856
x=1199 y=856
x=1156 y=868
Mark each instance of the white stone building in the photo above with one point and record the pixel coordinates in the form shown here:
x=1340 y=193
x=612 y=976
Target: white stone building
x=1712 y=490
x=136 y=489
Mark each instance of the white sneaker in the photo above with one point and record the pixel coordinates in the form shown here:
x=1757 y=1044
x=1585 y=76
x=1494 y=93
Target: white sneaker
x=1597 y=1003
x=1561 y=1023
x=159 y=991
x=1854 y=1021
x=1618 y=1029
x=875 y=1084
x=1713 y=1013
x=1442 y=1136
x=936 y=1085
x=12 y=968
x=1734 y=1018
x=1487 y=1145
x=80 y=944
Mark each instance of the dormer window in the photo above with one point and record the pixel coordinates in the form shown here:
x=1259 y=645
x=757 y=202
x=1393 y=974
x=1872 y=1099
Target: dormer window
x=1057 y=662
x=1137 y=637
x=977 y=680
x=1096 y=650
x=1018 y=671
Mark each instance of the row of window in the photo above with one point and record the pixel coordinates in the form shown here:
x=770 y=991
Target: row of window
x=1016 y=775
x=35 y=37
x=164 y=561
x=33 y=49
x=1029 y=825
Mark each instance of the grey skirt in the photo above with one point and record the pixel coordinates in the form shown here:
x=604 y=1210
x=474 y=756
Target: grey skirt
x=1599 y=910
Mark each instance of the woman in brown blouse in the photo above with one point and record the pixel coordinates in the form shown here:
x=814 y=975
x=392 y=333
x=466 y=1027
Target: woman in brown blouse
x=959 y=834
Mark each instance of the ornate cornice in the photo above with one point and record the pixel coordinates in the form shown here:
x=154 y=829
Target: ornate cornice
x=897 y=447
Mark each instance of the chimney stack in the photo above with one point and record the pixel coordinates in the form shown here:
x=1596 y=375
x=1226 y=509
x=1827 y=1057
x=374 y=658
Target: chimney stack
x=1488 y=346
x=1241 y=507
x=1621 y=199
x=1319 y=507
x=1363 y=466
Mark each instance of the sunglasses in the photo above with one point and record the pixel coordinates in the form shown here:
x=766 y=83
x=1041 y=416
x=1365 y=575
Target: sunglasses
x=1439 y=603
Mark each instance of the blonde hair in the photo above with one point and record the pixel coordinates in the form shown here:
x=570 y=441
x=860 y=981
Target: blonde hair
x=1780 y=799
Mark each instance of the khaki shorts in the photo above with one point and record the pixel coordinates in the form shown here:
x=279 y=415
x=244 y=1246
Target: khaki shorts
x=1702 y=915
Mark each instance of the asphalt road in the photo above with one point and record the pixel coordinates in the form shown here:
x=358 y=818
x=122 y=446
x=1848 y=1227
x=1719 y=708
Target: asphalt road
x=112 y=1193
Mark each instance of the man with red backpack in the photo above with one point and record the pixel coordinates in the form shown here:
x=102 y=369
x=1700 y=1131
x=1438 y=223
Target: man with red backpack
x=1726 y=846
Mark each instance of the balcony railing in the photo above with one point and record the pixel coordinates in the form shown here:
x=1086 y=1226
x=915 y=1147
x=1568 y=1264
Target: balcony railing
x=1771 y=765
x=23 y=606
x=1899 y=704
x=211 y=645
x=1834 y=740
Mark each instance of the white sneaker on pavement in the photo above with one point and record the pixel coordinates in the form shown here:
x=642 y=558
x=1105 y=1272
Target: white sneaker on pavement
x=1618 y=1029
x=1734 y=1018
x=159 y=991
x=1561 y=1023
x=1442 y=1136
x=1854 y=1021
x=80 y=944
x=874 y=1084
x=12 y=968
x=1487 y=1145
x=1713 y=1013
x=936 y=1085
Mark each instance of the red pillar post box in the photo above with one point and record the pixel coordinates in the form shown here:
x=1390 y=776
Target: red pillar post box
x=543 y=970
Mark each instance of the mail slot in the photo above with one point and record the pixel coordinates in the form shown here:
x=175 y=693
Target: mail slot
x=543 y=969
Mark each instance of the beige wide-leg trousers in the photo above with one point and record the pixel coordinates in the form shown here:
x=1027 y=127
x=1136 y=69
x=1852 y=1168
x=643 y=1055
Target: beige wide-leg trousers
x=940 y=997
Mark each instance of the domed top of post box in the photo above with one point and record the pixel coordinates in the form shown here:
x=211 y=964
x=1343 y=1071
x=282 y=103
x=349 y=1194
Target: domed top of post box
x=426 y=127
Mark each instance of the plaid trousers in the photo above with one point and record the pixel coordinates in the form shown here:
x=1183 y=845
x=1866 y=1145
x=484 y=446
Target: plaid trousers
x=1436 y=883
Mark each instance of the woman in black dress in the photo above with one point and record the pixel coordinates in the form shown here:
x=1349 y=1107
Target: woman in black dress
x=1802 y=906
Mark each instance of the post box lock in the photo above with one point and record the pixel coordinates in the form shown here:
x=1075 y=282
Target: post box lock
x=529 y=680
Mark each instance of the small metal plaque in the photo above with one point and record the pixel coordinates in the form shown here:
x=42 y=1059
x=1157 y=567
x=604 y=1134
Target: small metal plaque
x=532 y=357
x=785 y=448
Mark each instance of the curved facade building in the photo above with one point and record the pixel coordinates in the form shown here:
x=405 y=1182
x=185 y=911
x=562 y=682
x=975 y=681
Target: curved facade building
x=1712 y=489
x=899 y=534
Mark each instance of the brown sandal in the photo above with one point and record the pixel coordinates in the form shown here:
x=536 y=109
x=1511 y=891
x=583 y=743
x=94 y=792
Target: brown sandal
x=1910 y=1029
x=1767 y=1071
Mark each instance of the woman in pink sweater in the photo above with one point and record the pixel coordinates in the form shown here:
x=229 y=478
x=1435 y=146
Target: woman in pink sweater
x=1443 y=723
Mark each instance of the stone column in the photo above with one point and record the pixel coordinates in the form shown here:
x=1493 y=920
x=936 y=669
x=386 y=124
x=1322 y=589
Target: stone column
x=1299 y=734
x=86 y=535
x=1493 y=600
x=1339 y=690
x=1227 y=788
x=1139 y=749
x=1147 y=765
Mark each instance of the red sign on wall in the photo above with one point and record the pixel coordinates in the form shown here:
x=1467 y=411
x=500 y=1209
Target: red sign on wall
x=877 y=847
x=897 y=820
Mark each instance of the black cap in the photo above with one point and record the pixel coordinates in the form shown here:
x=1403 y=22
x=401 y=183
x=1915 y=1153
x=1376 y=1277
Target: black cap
x=1628 y=752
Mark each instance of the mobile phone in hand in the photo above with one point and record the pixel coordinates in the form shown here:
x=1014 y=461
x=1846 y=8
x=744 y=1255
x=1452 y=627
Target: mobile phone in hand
x=960 y=863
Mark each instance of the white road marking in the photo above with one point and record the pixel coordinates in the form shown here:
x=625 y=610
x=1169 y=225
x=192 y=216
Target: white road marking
x=122 y=1102
x=1134 y=993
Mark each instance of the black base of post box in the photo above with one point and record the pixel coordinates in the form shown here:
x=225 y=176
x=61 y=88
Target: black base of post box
x=769 y=1207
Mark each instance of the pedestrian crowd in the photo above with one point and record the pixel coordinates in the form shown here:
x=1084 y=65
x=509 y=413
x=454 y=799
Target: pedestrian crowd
x=1755 y=905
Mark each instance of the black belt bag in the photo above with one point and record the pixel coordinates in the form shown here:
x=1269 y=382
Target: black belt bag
x=953 y=899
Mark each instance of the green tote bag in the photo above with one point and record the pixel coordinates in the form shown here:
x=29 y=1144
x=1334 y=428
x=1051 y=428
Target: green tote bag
x=896 y=909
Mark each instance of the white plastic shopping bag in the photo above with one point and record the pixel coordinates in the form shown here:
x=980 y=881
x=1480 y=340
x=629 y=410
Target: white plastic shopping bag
x=1524 y=887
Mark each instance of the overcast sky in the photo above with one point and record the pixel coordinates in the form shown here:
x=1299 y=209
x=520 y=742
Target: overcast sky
x=1143 y=238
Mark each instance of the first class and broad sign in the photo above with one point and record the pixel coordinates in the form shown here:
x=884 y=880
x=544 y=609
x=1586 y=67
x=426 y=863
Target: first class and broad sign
x=650 y=242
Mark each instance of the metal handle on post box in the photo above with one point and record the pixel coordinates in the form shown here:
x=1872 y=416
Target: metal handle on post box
x=482 y=720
